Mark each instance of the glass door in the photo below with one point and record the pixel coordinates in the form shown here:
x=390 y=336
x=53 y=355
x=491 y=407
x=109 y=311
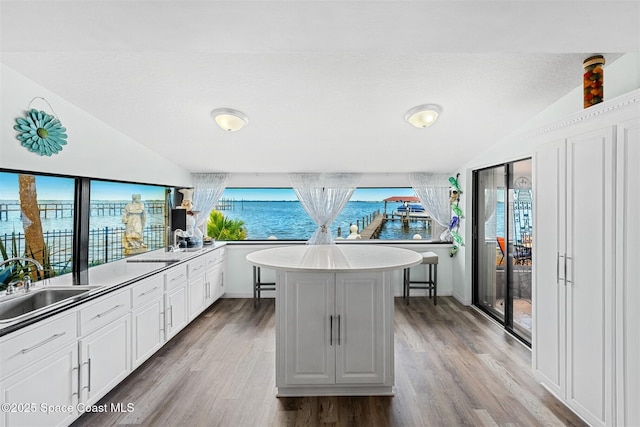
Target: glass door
x=503 y=243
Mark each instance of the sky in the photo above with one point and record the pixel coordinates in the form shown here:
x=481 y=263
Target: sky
x=60 y=188
x=361 y=194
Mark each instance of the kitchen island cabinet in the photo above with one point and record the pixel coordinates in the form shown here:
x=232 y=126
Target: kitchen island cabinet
x=334 y=317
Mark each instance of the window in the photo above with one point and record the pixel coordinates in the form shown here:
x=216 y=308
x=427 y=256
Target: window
x=39 y=216
x=126 y=219
x=277 y=213
x=36 y=220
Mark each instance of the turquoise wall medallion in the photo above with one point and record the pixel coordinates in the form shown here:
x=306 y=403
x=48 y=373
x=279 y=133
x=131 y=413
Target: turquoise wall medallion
x=41 y=133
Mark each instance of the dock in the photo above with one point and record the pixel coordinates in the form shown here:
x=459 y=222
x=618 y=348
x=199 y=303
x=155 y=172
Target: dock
x=373 y=228
x=372 y=224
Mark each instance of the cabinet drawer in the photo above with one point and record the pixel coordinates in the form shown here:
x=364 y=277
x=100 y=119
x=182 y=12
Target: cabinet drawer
x=175 y=277
x=32 y=343
x=196 y=267
x=215 y=257
x=147 y=290
x=106 y=310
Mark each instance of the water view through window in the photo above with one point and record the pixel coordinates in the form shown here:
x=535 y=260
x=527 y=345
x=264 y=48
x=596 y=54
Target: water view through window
x=36 y=220
x=276 y=212
x=126 y=219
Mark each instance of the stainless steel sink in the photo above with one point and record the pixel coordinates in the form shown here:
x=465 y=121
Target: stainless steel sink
x=22 y=304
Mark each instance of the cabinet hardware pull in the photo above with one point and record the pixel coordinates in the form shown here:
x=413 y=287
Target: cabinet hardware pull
x=88 y=363
x=564 y=268
x=177 y=277
x=338 y=329
x=108 y=311
x=40 y=344
x=77 y=368
x=331 y=329
x=171 y=316
x=566 y=258
x=89 y=377
x=148 y=292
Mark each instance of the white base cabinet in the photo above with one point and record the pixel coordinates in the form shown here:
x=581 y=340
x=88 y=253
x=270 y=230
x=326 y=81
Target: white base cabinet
x=71 y=360
x=176 y=300
x=44 y=393
x=198 y=287
x=585 y=336
x=147 y=322
x=334 y=334
x=105 y=359
x=215 y=275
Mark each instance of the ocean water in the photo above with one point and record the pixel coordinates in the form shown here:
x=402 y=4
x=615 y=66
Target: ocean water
x=64 y=220
x=287 y=220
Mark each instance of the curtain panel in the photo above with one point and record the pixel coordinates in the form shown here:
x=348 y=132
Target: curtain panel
x=433 y=192
x=323 y=196
x=208 y=188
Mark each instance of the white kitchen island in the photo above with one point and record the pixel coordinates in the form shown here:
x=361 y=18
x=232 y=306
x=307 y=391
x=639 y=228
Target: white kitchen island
x=334 y=317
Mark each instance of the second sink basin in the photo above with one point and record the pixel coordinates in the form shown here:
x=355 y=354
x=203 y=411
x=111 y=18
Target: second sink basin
x=27 y=303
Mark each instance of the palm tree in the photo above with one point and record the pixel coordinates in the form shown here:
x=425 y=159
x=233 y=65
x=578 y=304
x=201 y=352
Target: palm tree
x=220 y=227
x=33 y=236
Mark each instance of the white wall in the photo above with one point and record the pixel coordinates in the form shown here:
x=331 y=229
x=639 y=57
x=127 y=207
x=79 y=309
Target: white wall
x=93 y=148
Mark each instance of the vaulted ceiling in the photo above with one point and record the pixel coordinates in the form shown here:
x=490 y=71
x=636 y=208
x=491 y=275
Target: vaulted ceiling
x=325 y=84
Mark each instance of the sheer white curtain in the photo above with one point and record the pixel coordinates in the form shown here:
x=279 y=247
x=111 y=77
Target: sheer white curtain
x=433 y=192
x=324 y=196
x=208 y=188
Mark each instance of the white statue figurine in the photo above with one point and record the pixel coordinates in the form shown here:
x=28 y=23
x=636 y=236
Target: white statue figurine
x=134 y=217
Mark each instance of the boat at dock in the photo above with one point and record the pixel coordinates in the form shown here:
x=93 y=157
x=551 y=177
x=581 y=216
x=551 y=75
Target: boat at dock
x=410 y=207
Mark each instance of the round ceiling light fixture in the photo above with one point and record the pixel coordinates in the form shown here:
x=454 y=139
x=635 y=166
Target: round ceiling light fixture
x=229 y=119
x=423 y=116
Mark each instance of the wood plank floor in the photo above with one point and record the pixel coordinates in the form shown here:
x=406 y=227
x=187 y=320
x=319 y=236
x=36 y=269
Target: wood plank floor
x=454 y=367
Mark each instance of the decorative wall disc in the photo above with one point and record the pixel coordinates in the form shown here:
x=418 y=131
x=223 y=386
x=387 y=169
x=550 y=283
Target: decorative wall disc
x=41 y=133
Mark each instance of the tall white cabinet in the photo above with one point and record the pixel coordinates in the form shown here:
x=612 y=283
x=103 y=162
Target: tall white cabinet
x=585 y=349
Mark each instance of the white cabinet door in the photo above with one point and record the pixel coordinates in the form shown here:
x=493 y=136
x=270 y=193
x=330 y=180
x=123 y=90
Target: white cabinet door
x=105 y=359
x=147 y=330
x=176 y=310
x=627 y=289
x=574 y=304
x=307 y=354
x=53 y=381
x=198 y=286
x=360 y=309
x=589 y=274
x=549 y=343
x=336 y=329
x=215 y=276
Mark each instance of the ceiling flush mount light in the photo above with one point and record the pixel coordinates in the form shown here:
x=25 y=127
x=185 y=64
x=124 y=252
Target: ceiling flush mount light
x=229 y=120
x=423 y=116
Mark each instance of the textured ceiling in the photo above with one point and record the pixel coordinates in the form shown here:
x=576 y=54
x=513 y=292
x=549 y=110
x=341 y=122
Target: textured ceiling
x=325 y=83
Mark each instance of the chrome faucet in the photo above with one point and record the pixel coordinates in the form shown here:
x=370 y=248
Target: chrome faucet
x=175 y=247
x=26 y=283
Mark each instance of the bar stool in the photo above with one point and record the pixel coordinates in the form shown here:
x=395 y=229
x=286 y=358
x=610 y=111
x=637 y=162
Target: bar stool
x=431 y=260
x=259 y=285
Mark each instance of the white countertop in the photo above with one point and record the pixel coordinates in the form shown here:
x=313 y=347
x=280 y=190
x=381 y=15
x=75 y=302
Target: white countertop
x=335 y=258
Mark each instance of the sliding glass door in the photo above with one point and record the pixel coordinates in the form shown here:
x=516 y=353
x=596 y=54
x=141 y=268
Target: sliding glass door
x=503 y=242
